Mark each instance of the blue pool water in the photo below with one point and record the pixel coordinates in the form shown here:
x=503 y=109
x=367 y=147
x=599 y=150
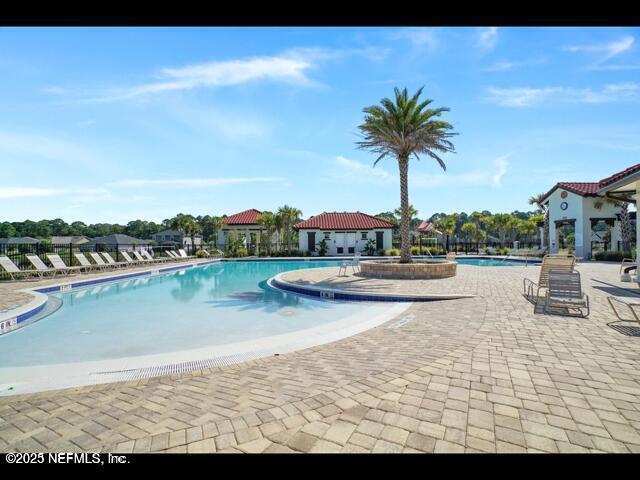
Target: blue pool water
x=213 y=305
x=487 y=262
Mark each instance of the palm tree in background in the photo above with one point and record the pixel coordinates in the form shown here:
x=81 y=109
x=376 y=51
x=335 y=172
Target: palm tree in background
x=402 y=128
x=269 y=222
x=500 y=222
x=289 y=216
x=188 y=225
x=447 y=225
x=535 y=200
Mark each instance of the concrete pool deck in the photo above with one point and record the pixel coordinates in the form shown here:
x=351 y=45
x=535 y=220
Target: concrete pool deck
x=482 y=374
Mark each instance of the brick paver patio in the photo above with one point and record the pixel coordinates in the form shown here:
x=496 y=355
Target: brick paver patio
x=482 y=374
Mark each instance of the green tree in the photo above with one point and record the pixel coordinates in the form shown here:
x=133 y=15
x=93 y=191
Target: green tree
x=269 y=222
x=402 y=128
x=288 y=217
x=536 y=200
x=470 y=231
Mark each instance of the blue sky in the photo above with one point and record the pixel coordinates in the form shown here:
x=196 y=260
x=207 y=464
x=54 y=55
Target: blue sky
x=114 y=124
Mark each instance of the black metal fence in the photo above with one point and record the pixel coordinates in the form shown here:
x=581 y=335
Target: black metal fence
x=18 y=252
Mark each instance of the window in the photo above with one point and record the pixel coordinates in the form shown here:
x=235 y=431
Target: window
x=364 y=235
x=340 y=250
x=327 y=235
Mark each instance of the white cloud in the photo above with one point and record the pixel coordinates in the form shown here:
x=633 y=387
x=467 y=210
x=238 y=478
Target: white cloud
x=27 y=192
x=504 y=65
x=487 y=38
x=502 y=166
x=194 y=182
x=353 y=171
x=361 y=172
x=40 y=146
x=423 y=37
x=608 y=50
x=528 y=96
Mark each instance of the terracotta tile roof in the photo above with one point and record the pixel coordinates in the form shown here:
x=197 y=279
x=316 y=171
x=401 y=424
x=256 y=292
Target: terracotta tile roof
x=425 y=227
x=585 y=189
x=620 y=175
x=344 y=220
x=248 y=217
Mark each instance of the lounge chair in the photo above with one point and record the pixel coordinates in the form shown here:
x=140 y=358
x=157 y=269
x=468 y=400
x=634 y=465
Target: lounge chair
x=39 y=265
x=630 y=304
x=183 y=254
x=140 y=258
x=451 y=256
x=59 y=264
x=129 y=260
x=562 y=263
x=82 y=260
x=13 y=271
x=628 y=264
x=176 y=255
x=111 y=261
x=565 y=291
x=99 y=261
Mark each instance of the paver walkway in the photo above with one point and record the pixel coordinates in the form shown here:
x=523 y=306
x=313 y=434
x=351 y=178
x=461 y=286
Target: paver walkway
x=483 y=374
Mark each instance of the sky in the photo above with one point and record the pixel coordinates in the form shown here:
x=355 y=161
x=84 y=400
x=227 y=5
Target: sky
x=116 y=124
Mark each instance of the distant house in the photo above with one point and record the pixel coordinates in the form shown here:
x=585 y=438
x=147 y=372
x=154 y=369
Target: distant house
x=117 y=240
x=75 y=240
x=426 y=231
x=344 y=232
x=244 y=224
x=19 y=241
x=176 y=237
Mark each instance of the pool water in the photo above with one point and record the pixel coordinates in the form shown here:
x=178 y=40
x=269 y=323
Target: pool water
x=487 y=262
x=216 y=304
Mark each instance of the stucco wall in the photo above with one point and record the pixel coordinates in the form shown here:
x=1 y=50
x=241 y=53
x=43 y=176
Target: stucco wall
x=331 y=242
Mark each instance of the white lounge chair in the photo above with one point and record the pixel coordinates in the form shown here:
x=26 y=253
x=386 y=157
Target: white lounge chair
x=565 y=291
x=140 y=258
x=82 y=260
x=148 y=256
x=39 y=265
x=59 y=264
x=128 y=258
x=100 y=261
x=13 y=271
x=183 y=254
x=111 y=261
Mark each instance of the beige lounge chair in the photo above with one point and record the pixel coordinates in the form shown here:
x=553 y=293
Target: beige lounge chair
x=111 y=261
x=565 y=291
x=84 y=261
x=13 y=271
x=100 y=261
x=39 y=265
x=560 y=263
x=59 y=264
x=128 y=258
x=148 y=256
x=140 y=258
x=629 y=303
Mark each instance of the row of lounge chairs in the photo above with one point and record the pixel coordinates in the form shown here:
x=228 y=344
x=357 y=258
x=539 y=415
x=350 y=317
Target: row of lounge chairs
x=101 y=261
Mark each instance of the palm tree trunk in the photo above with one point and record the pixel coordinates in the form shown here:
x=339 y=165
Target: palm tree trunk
x=405 y=252
x=625 y=228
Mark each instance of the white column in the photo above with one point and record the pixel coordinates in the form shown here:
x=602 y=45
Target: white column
x=579 y=229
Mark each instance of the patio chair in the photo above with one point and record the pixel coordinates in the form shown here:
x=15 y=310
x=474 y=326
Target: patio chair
x=59 y=264
x=630 y=304
x=129 y=260
x=13 y=271
x=111 y=261
x=354 y=263
x=451 y=256
x=562 y=263
x=183 y=254
x=140 y=258
x=148 y=256
x=565 y=291
x=99 y=261
x=628 y=264
x=39 y=265
x=82 y=260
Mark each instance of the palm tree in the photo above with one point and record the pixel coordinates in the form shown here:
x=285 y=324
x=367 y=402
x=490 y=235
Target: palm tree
x=188 y=225
x=447 y=225
x=268 y=221
x=500 y=222
x=289 y=216
x=535 y=200
x=470 y=231
x=402 y=128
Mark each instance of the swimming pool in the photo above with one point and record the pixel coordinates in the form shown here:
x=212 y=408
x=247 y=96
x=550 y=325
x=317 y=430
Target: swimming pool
x=488 y=262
